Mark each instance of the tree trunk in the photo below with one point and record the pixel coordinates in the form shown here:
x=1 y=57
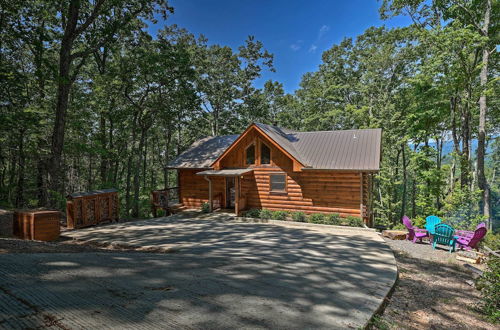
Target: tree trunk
x=481 y=141
x=403 y=202
x=64 y=83
x=20 y=178
x=103 y=168
x=137 y=174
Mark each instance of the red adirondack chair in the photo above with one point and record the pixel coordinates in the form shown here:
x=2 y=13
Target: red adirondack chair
x=414 y=233
x=468 y=242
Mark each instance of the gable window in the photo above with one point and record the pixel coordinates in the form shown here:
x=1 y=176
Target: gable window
x=265 y=154
x=277 y=182
x=250 y=155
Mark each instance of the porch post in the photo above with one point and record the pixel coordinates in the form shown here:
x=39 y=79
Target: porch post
x=210 y=199
x=236 y=195
x=361 y=197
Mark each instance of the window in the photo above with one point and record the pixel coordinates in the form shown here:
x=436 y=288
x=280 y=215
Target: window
x=250 y=155
x=277 y=182
x=265 y=154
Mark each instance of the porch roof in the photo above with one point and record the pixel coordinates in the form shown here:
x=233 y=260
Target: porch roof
x=226 y=172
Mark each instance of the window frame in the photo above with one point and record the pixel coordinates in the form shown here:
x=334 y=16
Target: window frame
x=253 y=144
x=285 y=190
x=270 y=154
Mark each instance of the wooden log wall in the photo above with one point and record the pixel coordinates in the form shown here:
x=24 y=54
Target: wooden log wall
x=193 y=189
x=307 y=191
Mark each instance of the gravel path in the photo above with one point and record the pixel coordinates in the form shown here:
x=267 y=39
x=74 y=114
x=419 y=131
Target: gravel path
x=431 y=292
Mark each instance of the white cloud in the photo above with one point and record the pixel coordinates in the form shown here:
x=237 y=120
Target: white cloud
x=297 y=45
x=322 y=31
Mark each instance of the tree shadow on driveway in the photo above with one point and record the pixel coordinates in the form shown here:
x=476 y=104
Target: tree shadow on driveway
x=226 y=276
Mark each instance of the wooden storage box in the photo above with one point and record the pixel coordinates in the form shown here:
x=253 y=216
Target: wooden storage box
x=91 y=208
x=37 y=225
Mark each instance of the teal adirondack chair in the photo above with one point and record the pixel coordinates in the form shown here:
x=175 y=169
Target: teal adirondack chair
x=443 y=234
x=430 y=223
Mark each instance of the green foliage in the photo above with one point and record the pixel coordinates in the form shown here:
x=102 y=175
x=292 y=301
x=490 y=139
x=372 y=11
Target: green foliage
x=317 y=218
x=492 y=240
x=333 y=219
x=418 y=221
x=205 y=208
x=399 y=226
x=299 y=216
x=279 y=215
x=253 y=213
x=266 y=214
x=489 y=284
x=354 y=221
x=461 y=209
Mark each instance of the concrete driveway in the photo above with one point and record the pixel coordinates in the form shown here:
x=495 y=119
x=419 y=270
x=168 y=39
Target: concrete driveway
x=224 y=275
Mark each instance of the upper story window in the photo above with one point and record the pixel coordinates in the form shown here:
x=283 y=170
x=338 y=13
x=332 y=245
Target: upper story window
x=250 y=155
x=265 y=154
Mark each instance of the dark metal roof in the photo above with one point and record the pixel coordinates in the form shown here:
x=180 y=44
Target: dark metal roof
x=323 y=150
x=357 y=149
x=203 y=152
x=226 y=172
x=93 y=192
x=340 y=150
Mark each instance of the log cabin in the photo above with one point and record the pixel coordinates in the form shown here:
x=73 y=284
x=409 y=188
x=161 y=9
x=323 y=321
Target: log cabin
x=268 y=167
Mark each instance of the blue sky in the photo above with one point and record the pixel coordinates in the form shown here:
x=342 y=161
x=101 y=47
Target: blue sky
x=296 y=32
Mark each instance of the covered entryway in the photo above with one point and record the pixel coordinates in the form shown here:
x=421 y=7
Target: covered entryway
x=233 y=198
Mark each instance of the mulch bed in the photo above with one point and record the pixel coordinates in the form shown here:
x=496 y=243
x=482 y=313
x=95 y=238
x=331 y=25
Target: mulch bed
x=431 y=293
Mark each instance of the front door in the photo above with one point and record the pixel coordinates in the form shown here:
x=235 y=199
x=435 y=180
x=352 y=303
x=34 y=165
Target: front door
x=230 y=192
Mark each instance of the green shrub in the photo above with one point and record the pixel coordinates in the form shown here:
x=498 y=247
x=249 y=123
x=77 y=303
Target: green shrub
x=333 y=219
x=490 y=290
x=418 y=222
x=399 y=226
x=279 y=215
x=205 y=207
x=492 y=241
x=317 y=218
x=299 y=216
x=354 y=221
x=253 y=213
x=266 y=214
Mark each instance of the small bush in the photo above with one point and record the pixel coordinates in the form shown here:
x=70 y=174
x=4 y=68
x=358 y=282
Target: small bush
x=253 y=213
x=399 y=226
x=317 y=218
x=490 y=290
x=492 y=241
x=418 y=222
x=333 y=219
x=205 y=207
x=266 y=214
x=354 y=221
x=279 y=215
x=299 y=216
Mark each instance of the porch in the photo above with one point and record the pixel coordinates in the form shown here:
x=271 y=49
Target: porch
x=232 y=198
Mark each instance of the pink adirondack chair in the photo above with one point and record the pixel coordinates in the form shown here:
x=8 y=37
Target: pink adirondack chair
x=468 y=243
x=468 y=233
x=414 y=233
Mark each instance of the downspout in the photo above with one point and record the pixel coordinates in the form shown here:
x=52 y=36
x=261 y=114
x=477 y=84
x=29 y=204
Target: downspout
x=210 y=204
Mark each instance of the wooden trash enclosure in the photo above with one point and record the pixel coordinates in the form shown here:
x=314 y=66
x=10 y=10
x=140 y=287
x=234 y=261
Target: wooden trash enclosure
x=91 y=208
x=37 y=225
